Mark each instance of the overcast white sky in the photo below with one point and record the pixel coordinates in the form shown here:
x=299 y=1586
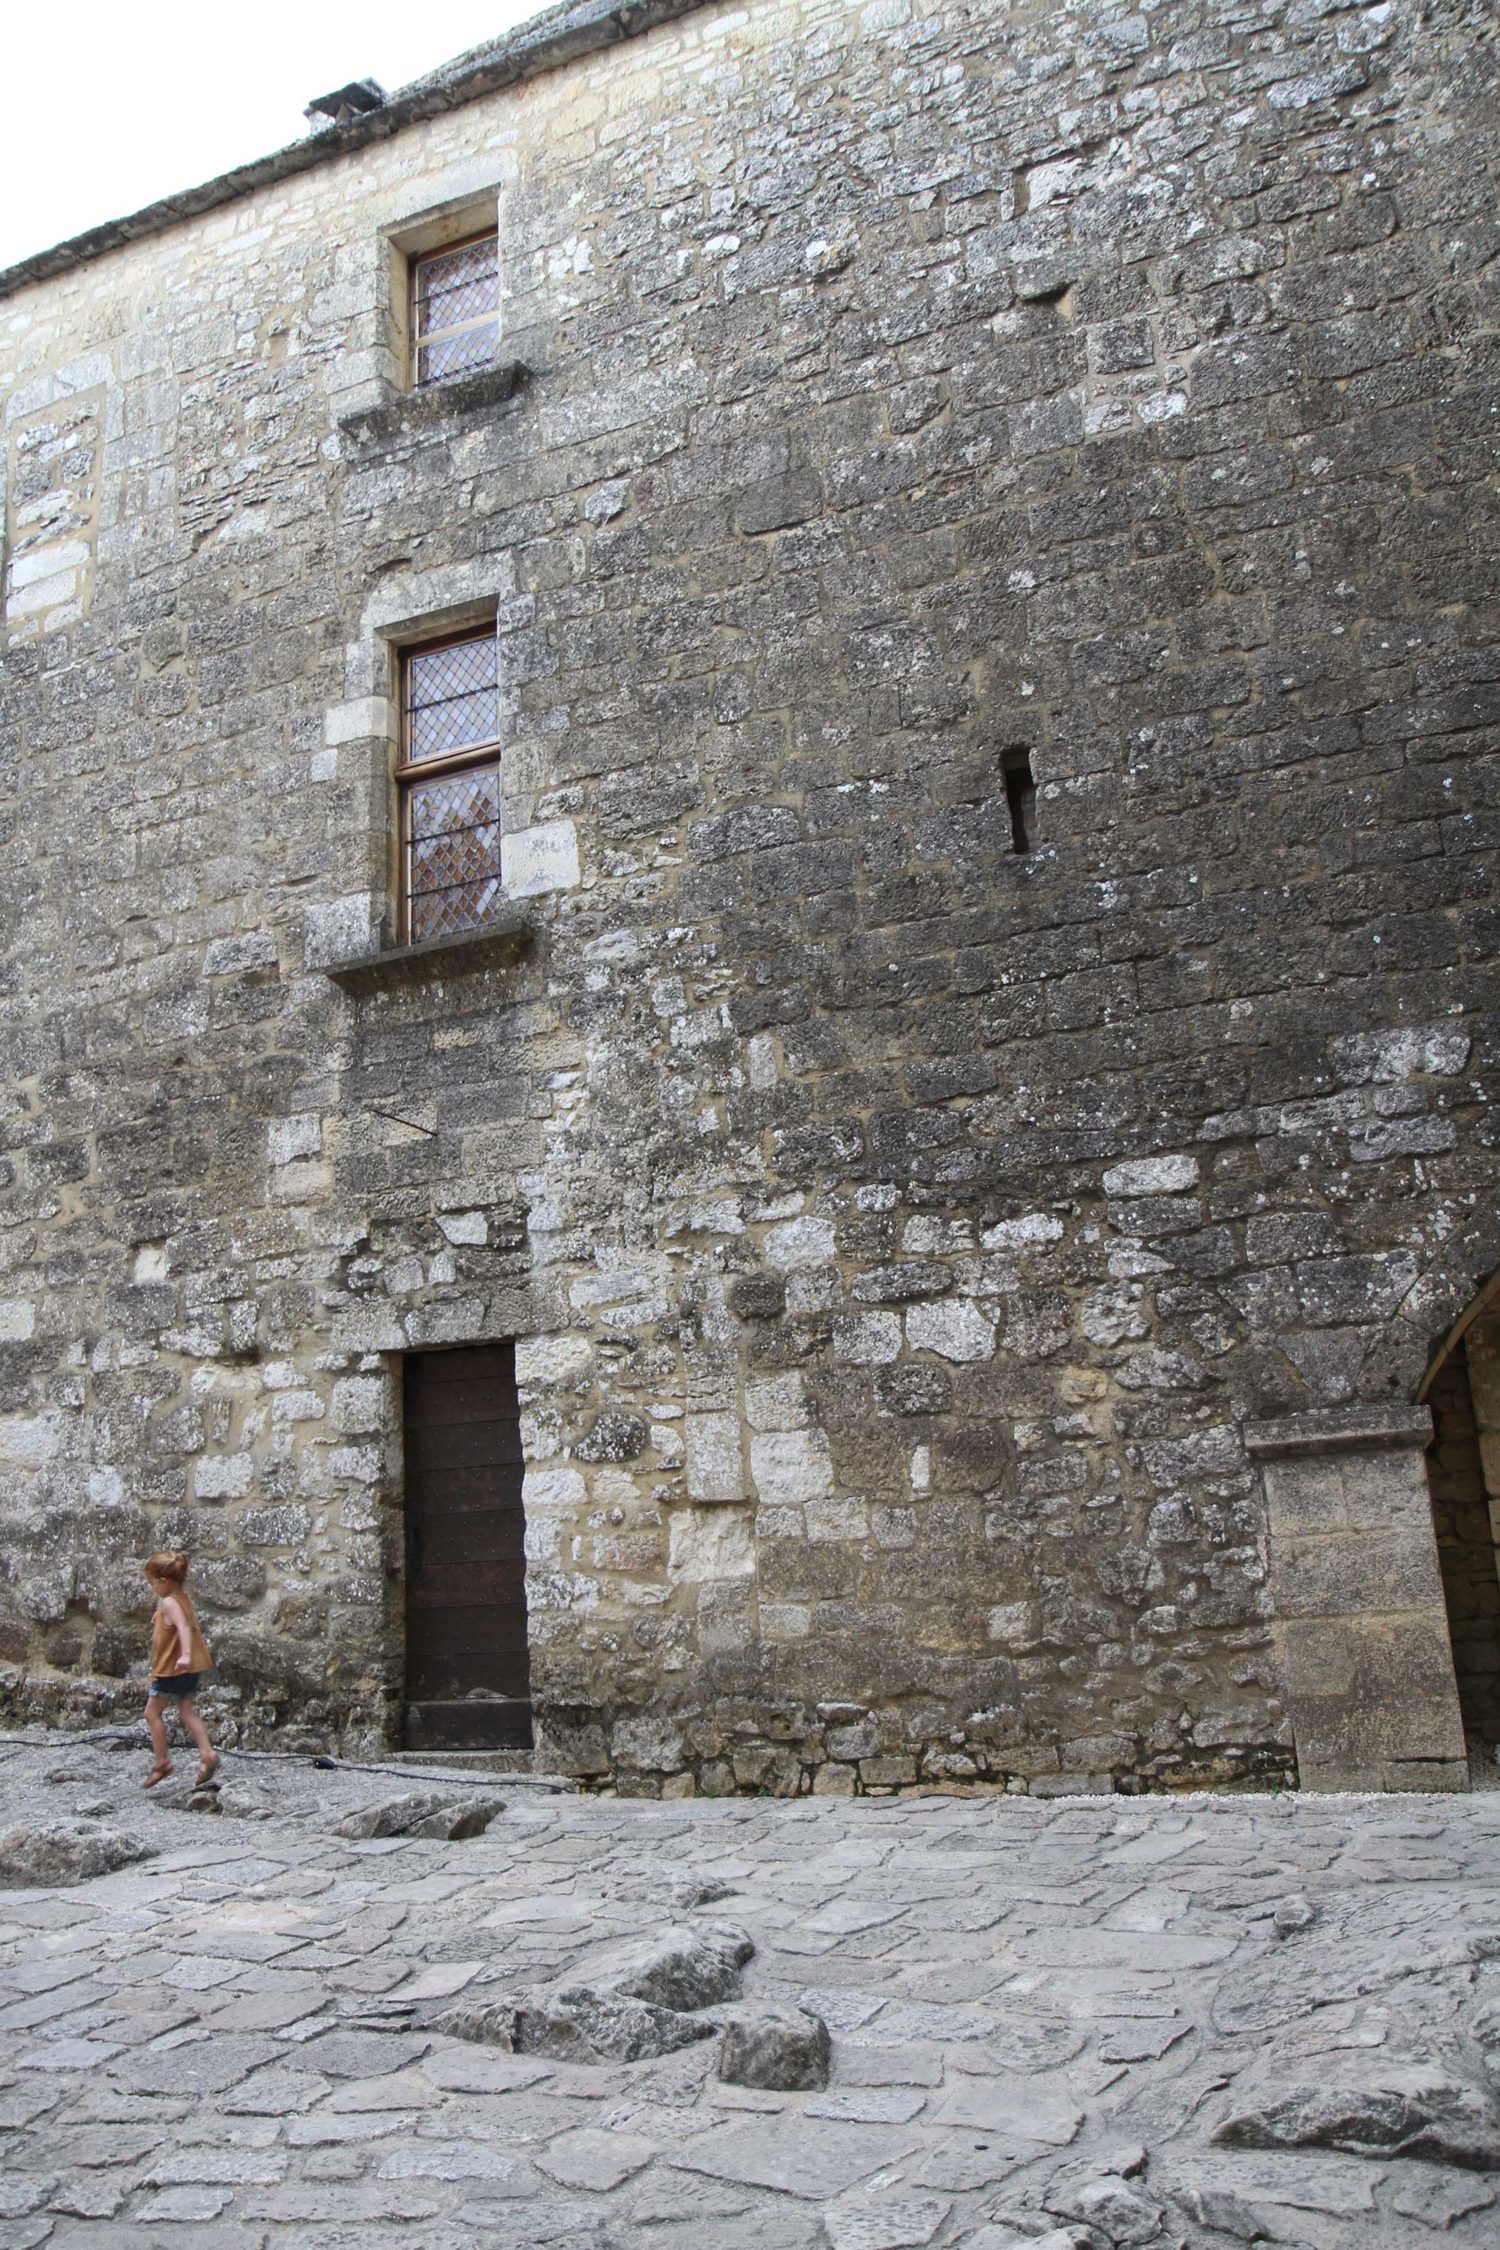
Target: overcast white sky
x=107 y=104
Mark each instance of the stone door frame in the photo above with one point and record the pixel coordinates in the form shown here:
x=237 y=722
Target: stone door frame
x=1360 y=1620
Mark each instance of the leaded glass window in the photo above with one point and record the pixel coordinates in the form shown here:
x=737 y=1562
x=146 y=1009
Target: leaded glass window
x=456 y=310
x=450 y=785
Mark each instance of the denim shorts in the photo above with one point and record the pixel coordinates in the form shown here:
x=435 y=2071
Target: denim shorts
x=180 y=1688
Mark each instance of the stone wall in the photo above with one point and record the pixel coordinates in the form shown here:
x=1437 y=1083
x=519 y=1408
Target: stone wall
x=899 y=1230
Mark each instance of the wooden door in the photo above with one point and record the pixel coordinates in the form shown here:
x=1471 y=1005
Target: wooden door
x=468 y=1673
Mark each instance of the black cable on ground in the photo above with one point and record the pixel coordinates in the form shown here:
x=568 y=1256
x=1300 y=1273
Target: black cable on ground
x=552 y=1784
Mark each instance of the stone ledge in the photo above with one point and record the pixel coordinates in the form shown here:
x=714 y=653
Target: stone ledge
x=1339 y=1429
x=505 y=934
x=415 y=414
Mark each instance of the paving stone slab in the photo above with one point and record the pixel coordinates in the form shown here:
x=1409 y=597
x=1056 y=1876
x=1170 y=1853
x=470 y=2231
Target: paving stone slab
x=138 y=2233
x=69 y=2054
x=1037 y=2108
x=325 y=2129
x=595 y=2160
x=447 y=2160
x=803 y=2156
x=460 y=2069
x=362 y=2054
x=891 y=2221
x=857 y=2062
x=273 y=2092
x=872 y=2105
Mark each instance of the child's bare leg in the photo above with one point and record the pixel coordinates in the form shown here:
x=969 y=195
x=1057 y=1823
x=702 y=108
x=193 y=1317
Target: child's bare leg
x=199 y=1732
x=156 y=1726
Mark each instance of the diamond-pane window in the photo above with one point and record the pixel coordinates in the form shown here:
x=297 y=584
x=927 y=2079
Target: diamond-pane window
x=455 y=301
x=450 y=785
x=452 y=700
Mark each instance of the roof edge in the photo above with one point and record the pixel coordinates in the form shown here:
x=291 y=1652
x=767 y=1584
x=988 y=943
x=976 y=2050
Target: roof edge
x=548 y=42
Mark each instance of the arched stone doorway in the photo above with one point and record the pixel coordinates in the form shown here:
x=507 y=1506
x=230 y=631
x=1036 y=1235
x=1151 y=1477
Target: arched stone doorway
x=1462 y=1387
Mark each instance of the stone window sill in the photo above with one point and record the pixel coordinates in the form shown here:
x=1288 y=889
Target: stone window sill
x=1339 y=1429
x=414 y=414
x=504 y=935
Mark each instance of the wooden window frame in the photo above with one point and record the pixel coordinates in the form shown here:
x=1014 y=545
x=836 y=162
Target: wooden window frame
x=415 y=262
x=412 y=771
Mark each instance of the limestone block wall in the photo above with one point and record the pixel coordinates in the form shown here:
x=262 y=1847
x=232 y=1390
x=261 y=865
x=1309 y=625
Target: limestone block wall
x=899 y=1230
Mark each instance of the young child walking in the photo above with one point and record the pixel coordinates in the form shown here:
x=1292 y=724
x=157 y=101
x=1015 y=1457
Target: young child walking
x=179 y=1658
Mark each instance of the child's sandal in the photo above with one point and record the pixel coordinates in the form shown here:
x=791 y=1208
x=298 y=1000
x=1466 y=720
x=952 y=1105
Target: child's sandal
x=157 y=1773
x=207 y=1770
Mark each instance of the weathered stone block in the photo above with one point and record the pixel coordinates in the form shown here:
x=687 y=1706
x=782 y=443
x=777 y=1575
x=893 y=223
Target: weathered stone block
x=1152 y=1175
x=614 y=1436
x=707 y=1547
x=954 y=1330
x=540 y=859
x=789 y=1466
x=59 y=1852
x=785 y=2050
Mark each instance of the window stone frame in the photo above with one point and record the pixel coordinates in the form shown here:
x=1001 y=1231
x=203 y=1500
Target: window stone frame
x=362 y=740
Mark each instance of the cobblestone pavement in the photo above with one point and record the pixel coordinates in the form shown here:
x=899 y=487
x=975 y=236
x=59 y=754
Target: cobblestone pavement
x=1042 y=2014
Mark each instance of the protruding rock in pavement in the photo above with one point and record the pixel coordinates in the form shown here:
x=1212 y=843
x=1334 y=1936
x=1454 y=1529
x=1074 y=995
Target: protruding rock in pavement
x=45 y=1855
x=1484 y=2030
x=452 y=1823
x=485 y=2023
x=778 y=2048
x=584 y=2026
x=1110 y=2206
x=424 y=1812
x=393 y=1816
x=630 y=2002
x=1417 y=2109
x=682 y=1965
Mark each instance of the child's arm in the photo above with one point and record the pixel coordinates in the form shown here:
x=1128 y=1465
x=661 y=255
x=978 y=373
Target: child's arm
x=178 y=1622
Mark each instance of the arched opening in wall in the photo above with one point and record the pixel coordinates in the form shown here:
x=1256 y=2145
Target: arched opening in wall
x=1463 y=1472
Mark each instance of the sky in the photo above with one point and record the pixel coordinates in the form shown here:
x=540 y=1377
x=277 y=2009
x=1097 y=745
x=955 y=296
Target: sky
x=107 y=104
